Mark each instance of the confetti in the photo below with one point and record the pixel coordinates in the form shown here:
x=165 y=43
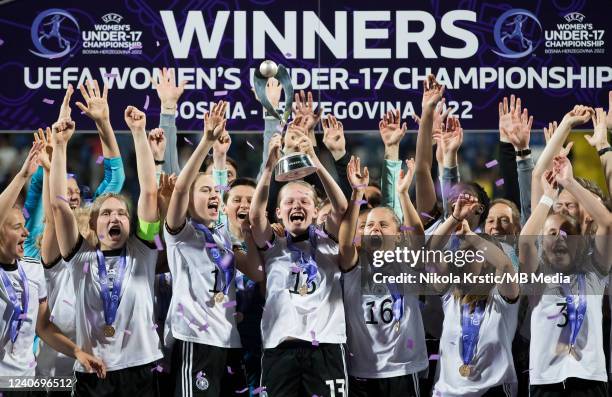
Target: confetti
x=405 y=228
x=51 y=318
x=127 y=332
x=426 y=215
x=246 y=389
x=491 y=164
x=203 y=327
x=230 y=304
x=315 y=342
x=100 y=236
x=69 y=175
x=251 y=146
x=219 y=93
x=85 y=267
x=527 y=370
x=66 y=302
x=229 y=370
x=562 y=233
x=100 y=160
x=211 y=245
x=362 y=186
x=48 y=101
x=259 y=390
x=222 y=188
x=268 y=244
x=260 y=268
x=158 y=243
x=1 y=41
x=410 y=344
x=351 y=354
x=554 y=316
x=26 y=214
x=188 y=141
x=23 y=316
x=361 y=202
x=179 y=308
x=157 y=368
x=296 y=269
x=110 y=75
x=157 y=42
x=499 y=182
x=200 y=375
x=32 y=364
x=146 y=105
x=154 y=326
x=320 y=233
x=434 y=357
x=63 y=198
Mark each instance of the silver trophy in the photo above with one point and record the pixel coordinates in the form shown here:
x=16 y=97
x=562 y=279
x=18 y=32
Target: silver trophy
x=291 y=166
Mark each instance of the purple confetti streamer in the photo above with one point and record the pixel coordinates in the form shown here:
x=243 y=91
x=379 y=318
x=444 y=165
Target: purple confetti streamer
x=351 y=354
x=179 y=308
x=85 y=267
x=32 y=364
x=268 y=244
x=260 y=268
x=434 y=357
x=154 y=326
x=127 y=332
x=51 y=318
x=230 y=304
x=410 y=344
x=100 y=160
x=251 y=146
x=562 y=233
x=158 y=243
x=211 y=245
x=259 y=390
x=296 y=269
x=63 y=198
x=499 y=182
x=242 y=391
x=1 y=41
x=110 y=75
x=26 y=214
x=188 y=141
x=229 y=370
x=320 y=233
x=219 y=93
x=361 y=202
x=66 y=302
x=356 y=240
x=157 y=368
x=426 y=215
x=200 y=375
x=48 y=101
x=146 y=105
x=362 y=186
x=203 y=327
x=554 y=316
x=406 y=228
x=491 y=164
x=222 y=188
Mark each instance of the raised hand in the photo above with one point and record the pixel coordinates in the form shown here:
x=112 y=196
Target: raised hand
x=514 y=124
x=303 y=107
x=164 y=191
x=549 y=185
x=44 y=157
x=449 y=140
x=333 y=136
x=548 y=132
x=405 y=178
x=214 y=121
x=135 y=119
x=432 y=92
x=273 y=91
x=31 y=163
x=578 y=115
x=62 y=131
x=562 y=168
x=465 y=206
x=157 y=143
x=274 y=150
x=167 y=90
x=65 y=109
x=222 y=145
x=295 y=132
x=358 y=179
x=97 y=104
x=391 y=128
x=599 y=139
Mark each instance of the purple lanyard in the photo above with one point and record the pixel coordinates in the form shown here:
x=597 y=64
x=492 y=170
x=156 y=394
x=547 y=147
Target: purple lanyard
x=224 y=263
x=110 y=299
x=19 y=311
x=470 y=328
x=576 y=312
x=297 y=255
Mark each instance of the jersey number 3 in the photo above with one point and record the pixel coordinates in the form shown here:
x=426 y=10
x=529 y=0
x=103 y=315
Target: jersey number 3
x=298 y=282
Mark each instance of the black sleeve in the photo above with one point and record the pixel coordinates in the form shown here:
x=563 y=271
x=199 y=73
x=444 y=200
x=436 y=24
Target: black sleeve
x=343 y=182
x=507 y=169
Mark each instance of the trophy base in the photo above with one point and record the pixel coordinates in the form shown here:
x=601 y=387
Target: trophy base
x=293 y=166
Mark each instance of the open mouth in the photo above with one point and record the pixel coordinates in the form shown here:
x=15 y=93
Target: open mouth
x=213 y=205
x=560 y=250
x=114 y=232
x=242 y=215
x=20 y=245
x=297 y=217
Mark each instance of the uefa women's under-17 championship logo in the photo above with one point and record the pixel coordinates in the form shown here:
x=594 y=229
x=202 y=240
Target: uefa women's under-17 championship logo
x=49 y=33
x=510 y=33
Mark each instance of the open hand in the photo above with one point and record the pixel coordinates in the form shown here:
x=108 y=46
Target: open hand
x=599 y=139
x=357 y=178
x=214 y=121
x=391 y=128
x=304 y=108
x=432 y=92
x=405 y=178
x=44 y=157
x=333 y=136
x=97 y=104
x=167 y=90
x=31 y=163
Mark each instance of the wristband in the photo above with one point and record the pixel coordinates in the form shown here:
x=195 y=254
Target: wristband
x=605 y=150
x=522 y=152
x=147 y=230
x=455 y=218
x=159 y=162
x=547 y=201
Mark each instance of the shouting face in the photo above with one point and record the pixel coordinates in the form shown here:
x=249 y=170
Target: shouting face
x=14 y=234
x=297 y=208
x=113 y=223
x=205 y=200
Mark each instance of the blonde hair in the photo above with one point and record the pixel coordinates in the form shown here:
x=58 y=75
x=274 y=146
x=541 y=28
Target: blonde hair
x=89 y=225
x=307 y=185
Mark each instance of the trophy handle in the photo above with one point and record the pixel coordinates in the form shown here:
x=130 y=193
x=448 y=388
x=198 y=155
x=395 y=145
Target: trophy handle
x=282 y=75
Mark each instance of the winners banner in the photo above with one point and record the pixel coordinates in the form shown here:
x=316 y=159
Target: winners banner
x=360 y=60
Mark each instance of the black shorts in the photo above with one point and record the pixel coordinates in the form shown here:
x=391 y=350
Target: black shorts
x=127 y=382
x=405 y=386
x=574 y=387
x=206 y=371
x=297 y=368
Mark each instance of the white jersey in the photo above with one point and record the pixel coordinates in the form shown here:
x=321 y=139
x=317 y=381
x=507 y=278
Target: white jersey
x=17 y=359
x=62 y=300
x=194 y=315
x=318 y=315
x=549 y=358
x=135 y=341
x=492 y=364
x=378 y=349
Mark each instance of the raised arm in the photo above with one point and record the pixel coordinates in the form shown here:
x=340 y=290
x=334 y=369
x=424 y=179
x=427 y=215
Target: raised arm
x=304 y=108
x=219 y=170
x=260 y=226
x=391 y=132
x=599 y=140
x=596 y=209
x=577 y=116
x=214 y=125
x=449 y=137
x=157 y=144
x=169 y=94
x=58 y=186
x=274 y=90
x=145 y=165
x=465 y=206
x=425 y=190
x=347 y=249
x=335 y=142
x=411 y=218
x=332 y=190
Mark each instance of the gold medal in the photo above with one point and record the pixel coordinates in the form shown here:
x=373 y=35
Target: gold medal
x=465 y=370
x=219 y=297
x=303 y=290
x=109 y=331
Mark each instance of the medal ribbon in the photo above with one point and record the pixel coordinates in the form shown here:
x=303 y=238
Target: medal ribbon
x=225 y=263
x=110 y=299
x=18 y=310
x=470 y=329
x=308 y=265
x=576 y=312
